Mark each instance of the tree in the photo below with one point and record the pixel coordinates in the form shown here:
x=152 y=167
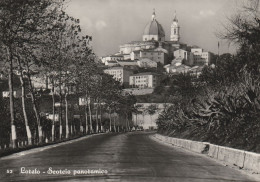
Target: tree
x=22 y=80
x=243 y=30
x=125 y=109
x=137 y=111
x=151 y=110
x=19 y=25
x=67 y=48
x=226 y=70
x=85 y=71
x=111 y=95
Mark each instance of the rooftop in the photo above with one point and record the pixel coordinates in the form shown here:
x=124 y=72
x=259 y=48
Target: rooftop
x=115 y=68
x=145 y=73
x=139 y=43
x=112 y=61
x=126 y=61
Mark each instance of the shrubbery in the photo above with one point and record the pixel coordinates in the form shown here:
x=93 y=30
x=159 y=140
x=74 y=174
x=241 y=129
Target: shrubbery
x=227 y=115
x=224 y=106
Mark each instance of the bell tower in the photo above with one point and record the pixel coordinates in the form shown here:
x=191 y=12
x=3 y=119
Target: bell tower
x=175 y=29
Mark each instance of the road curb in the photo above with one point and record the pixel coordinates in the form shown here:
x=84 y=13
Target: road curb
x=39 y=149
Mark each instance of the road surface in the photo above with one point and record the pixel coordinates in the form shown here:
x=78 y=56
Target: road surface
x=116 y=157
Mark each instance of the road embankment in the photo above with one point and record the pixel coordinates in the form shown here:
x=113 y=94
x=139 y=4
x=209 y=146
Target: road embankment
x=234 y=157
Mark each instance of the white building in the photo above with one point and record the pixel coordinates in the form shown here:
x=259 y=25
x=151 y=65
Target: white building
x=50 y=116
x=112 y=58
x=177 y=68
x=196 y=71
x=157 y=56
x=135 y=46
x=16 y=94
x=128 y=62
x=186 y=56
x=40 y=82
x=111 y=63
x=146 y=63
x=120 y=74
x=134 y=55
x=144 y=80
x=201 y=57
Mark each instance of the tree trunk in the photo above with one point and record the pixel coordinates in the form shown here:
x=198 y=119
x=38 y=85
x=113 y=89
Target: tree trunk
x=67 y=115
x=81 y=127
x=53 y=112
x=101 y=126
x=86 y=116
x=110 y=119
x=60 y=117
x=114 y=124
x=35 y=109
x=90 y=117
x=60 y=110
x=127 y=124
x=28 y=131
x=71 y=129
x=72 y=121
x=97 y=125
x=11 y=97
x=136 y=122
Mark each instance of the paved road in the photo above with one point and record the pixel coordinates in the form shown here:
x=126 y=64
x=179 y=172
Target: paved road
x=125 y=157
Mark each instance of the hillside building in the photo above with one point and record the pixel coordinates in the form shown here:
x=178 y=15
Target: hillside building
x=144 y=80
x=120 y=74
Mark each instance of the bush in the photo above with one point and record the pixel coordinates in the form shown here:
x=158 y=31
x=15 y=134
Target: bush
x=226 y=115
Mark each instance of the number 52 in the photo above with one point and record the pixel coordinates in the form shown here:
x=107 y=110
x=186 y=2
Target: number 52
x=9 y=171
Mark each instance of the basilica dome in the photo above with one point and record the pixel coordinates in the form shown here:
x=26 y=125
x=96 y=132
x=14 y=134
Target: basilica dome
x=153 y=30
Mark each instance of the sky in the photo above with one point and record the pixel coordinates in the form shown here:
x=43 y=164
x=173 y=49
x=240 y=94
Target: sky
x=112 y=23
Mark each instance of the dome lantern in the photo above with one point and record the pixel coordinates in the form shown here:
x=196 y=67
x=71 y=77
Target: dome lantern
x=153 y=15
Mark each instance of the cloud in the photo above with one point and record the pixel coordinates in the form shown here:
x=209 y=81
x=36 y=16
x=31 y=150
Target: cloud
x=100 y=24
x=203 y=14
x=207 y=13
x=86 y=22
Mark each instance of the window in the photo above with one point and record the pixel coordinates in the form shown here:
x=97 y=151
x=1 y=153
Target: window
x=175 y=31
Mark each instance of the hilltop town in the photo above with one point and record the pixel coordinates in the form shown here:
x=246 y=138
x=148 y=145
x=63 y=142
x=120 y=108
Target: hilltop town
x=139 y=64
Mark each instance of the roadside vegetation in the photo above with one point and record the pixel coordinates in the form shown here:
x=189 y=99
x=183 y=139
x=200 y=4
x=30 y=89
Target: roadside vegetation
x=222 y=106
x=40 y=43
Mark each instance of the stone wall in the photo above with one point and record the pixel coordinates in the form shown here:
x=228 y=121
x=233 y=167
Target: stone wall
x=234 y=157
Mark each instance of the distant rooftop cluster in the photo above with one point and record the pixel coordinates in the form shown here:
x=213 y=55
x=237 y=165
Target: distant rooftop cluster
x=176 y=57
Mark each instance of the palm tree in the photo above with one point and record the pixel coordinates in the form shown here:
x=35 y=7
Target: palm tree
x=151 y=110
